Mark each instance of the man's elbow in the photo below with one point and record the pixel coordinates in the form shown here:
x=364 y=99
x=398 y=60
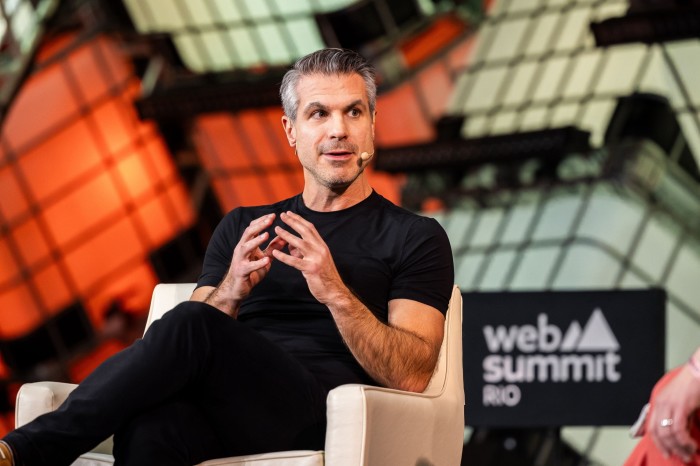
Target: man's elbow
x=416 y=384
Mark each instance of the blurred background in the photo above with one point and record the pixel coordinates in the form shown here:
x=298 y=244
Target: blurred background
x=556 y=141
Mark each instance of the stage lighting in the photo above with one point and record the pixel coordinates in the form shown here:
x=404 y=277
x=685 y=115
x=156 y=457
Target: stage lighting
x=650 y=22
x=549 y=145
x=650 y=116
x=366 y=24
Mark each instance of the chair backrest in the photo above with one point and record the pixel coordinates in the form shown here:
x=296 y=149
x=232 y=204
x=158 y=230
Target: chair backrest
x=165 y=297
x=448 y=375
x=446 y=387
x=370 y=426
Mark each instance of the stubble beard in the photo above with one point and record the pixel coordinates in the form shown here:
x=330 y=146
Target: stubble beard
x=334 y=181
x=324 y=174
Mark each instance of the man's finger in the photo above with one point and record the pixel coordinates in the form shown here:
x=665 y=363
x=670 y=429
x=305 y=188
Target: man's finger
x=253 y=243
x=277 y=244
x=295 y=252
x=263 y=219
x=289 y=260
x=253 y=266
x=298 y=223
x=290 y=238
x=256 y=226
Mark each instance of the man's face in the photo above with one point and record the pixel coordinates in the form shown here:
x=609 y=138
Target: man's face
x=332 y=129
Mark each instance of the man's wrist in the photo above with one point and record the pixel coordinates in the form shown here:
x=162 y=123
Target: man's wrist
x=226 y=305
x=342 y=299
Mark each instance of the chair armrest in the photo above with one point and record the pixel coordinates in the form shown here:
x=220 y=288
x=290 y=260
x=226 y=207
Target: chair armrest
x=35 y=399
x=422 y=426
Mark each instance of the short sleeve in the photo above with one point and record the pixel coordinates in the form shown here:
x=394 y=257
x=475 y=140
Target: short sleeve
x=217 y=258
x=426 y=269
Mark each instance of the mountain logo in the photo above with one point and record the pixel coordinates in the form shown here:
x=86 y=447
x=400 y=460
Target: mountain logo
x=597 y=335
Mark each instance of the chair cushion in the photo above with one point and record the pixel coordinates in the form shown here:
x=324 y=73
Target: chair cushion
x=94 y=459
x=281 y=458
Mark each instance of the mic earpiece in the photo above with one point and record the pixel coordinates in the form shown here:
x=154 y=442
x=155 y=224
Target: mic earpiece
x=365 y=156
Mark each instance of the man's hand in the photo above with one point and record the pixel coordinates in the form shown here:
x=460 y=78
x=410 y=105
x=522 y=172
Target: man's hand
x=249 y=265
x=309 y=254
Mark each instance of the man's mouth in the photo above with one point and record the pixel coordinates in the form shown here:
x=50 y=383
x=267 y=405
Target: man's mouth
x=338 y=151
x=338 y=154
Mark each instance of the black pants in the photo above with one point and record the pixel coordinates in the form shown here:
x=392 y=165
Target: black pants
x=199 y=385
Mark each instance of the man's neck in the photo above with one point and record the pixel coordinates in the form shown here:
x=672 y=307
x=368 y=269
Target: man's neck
x=329 y=200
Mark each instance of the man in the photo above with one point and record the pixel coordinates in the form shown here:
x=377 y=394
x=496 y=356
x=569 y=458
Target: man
x=333 y=286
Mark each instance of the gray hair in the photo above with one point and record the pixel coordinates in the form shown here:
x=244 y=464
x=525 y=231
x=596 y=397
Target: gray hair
x=327 y=62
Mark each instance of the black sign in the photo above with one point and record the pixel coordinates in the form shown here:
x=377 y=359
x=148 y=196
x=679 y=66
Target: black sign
x=555 y=358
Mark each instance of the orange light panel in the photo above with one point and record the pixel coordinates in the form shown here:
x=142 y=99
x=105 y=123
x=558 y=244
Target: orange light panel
x=400 y=119
x=30 y=241
x=220 y=145
x=283 y=185
x=53 y=290
x=45 y=102
x=113 y=122
x=60 y=160
x=87 y=190
x=86 y=65
x=437 y=36
x=436 y=86
x=8 y=265
x=163 y=169
x=255 y=132
x=182 y=204
x=133 y=173
x=19 y=313
x=104 y=252
x=13 y=202
x=83 y=209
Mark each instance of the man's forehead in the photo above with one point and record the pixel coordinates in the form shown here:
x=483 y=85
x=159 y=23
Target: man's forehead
x=323 y=87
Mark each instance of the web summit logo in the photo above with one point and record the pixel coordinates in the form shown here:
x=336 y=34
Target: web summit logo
x=543 y=353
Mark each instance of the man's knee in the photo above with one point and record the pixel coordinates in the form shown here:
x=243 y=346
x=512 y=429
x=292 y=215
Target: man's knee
x=193 y=319
x=193 y=312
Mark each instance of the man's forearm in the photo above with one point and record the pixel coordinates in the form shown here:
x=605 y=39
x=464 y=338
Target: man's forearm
x=394 y=357
x=222 y=302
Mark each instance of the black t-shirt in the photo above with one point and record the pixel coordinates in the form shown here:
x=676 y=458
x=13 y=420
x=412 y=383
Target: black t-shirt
x=381 y=251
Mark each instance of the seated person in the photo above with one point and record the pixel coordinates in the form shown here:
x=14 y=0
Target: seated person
x=671 y=432
x=335 y=285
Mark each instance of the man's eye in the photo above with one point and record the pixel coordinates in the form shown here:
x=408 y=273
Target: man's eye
x=318 y=114
x=355 y=112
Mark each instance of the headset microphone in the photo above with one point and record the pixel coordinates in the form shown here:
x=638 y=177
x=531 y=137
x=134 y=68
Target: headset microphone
x=365 y=156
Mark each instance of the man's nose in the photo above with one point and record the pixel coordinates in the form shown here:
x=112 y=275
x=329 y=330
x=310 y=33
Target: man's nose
x=338 y=127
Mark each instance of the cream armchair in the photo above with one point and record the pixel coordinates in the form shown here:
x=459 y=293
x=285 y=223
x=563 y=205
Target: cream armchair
x=367 y=426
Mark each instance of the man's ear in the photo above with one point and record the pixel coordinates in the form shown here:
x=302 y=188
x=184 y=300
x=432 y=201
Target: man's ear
x=289 y=130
